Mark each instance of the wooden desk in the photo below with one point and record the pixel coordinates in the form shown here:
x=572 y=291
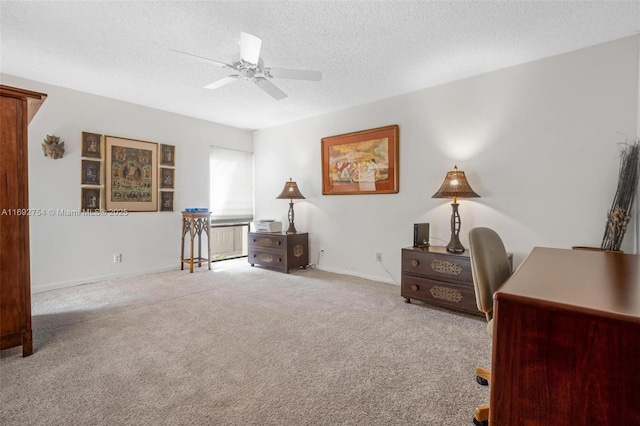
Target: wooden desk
x=567 y=341
x=195 y=224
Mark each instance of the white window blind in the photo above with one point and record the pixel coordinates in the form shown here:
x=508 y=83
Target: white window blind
x=231 y=176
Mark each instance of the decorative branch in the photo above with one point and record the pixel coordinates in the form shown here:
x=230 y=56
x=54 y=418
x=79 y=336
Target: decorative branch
x=620 y=214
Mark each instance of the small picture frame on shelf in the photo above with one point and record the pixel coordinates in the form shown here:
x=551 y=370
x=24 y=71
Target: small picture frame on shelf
x=167 y=155
x=90 y=201
x=167 y=178
x=166 y=201
x=91 y=172
x=91 y=145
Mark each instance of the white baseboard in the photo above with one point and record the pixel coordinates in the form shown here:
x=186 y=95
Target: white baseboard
x=65 y=284
x=356 y=274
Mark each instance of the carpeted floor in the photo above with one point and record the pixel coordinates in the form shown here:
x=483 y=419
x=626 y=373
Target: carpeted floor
x=243 y=346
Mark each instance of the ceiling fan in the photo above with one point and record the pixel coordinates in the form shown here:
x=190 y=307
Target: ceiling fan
x=251 y=67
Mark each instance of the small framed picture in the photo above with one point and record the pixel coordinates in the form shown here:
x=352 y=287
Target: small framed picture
x=90 y=199
x=166 y=178
x=91 y=172
x=91 y=145
x=166 y=201
x=168 y=155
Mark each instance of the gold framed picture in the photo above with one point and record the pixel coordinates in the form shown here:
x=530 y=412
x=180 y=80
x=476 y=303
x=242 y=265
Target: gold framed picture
x=90 y=199
x=91 y=145
x=167 y=155
x=364 y=162
x=91 y=172
x=131 y=175
x=166 y=201
x=167 y=178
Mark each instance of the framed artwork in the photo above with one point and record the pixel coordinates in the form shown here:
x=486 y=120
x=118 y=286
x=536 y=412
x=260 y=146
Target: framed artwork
x=167 y=155
x=90 y=200
x=166 y=201
x=91 y=172
x=91 y=145
x=364 y=162
x=131 y=175
x=166 y=178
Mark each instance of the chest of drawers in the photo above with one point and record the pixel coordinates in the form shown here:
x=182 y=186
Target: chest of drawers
x=435 y=276
x=278 y=251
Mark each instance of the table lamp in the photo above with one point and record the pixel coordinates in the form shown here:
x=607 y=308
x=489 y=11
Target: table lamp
x=291 y=192
x=455 y=185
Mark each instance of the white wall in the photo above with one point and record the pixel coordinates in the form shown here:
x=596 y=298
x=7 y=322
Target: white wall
x=538 y=142
x=73 y=250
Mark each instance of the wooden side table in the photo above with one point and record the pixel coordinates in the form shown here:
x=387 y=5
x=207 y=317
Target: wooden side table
x=435 y=276
x=279 y=251
x=195 y=223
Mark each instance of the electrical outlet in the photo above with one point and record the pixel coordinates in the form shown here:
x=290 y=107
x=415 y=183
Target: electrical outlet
x=117 y=258
x=378 y=257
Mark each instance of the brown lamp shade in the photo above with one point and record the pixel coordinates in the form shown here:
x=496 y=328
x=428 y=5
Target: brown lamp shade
x=291 y=191
x=455 y=185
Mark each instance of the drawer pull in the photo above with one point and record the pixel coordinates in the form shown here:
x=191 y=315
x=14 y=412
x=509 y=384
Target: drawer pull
x=415 y=262
x=415 y=287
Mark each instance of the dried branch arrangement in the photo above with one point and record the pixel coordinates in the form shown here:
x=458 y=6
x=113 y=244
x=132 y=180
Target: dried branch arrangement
x=620 y=213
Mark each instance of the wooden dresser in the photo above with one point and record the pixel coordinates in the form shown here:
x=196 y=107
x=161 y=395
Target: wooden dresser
x=435 y=276
x=279 y=251
x=17 y=108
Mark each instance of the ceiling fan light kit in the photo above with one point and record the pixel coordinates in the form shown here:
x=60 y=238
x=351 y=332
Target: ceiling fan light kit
x=251 y=67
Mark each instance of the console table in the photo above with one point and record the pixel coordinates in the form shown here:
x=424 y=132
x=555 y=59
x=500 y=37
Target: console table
x=435 y=276
x=279 y=251
x=565 y=343
x=195 y=223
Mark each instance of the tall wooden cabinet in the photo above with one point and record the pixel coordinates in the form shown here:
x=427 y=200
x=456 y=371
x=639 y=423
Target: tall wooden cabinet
x=17 y=108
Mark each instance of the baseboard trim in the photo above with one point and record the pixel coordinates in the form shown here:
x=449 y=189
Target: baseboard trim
x=64 y=284
x=385 y=280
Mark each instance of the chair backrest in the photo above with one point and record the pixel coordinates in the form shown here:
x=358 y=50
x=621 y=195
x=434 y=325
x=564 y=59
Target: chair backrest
x=489 y=265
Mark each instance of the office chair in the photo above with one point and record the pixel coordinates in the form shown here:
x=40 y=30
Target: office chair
x=490 y=268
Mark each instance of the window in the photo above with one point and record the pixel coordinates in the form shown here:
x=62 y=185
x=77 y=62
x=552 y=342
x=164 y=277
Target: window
x=230 y=202
x=231 y=175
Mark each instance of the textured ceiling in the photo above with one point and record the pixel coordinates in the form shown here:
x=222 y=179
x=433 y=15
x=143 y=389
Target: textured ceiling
x=366 y=50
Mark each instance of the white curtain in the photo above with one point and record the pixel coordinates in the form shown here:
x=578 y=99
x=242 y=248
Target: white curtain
x=231 y=175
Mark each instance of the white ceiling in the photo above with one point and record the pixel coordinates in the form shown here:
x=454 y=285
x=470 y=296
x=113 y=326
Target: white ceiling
x=366 y=50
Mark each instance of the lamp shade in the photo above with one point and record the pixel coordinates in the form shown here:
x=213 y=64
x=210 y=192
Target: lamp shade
x=291 y=191
x=455 y=185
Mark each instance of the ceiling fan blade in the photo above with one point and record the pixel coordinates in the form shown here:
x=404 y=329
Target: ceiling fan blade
x=203 y=59
x=250 y=48
x=221 y=82
x=270 y=88
x=293 y=74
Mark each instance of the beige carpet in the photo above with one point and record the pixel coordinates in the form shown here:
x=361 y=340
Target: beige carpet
x=243 y=346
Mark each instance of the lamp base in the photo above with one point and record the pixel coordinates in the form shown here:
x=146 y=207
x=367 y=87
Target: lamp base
x=455 y=246
x=291 y=229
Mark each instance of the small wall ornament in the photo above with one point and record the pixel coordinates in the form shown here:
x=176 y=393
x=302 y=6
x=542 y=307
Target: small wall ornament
x=52 y=147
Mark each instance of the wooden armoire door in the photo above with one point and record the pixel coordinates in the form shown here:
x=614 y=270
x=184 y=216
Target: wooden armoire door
x=17 y=107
